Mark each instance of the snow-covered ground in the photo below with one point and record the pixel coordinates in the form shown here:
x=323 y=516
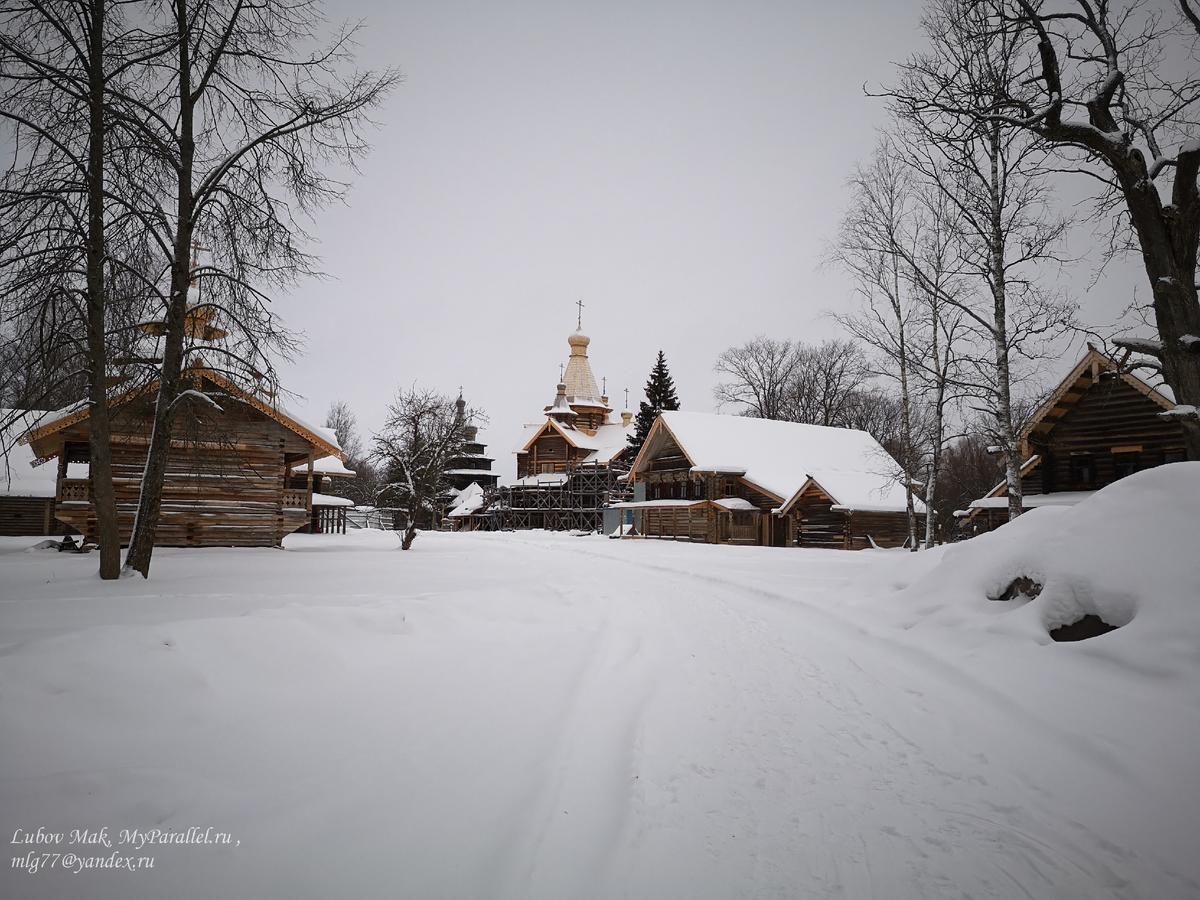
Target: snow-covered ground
x=542 y=715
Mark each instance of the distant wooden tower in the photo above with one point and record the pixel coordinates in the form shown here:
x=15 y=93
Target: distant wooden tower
x=473 y=466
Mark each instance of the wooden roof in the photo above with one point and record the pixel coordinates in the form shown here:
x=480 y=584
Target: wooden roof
x=660 y=427
x=80 y=411
x=1072 y=389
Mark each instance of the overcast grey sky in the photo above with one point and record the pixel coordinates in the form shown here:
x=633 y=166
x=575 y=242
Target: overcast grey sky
x=677 y=165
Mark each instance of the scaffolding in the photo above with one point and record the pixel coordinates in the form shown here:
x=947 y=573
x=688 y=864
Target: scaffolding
x=577 y=504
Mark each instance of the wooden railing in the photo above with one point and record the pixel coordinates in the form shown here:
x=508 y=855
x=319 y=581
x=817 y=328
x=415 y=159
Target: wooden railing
x=295 y=499
x=76 y=490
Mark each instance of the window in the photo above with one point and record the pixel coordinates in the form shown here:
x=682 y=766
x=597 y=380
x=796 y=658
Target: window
x=729 y=487
x=548 y=468
x=1124 y=464
x=1082 y=470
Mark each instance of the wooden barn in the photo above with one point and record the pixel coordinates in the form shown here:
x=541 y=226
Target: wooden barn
x=1099 y=425
x=737 y=480
x=241 y=472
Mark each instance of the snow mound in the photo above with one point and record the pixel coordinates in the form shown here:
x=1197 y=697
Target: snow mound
x=1117 y=556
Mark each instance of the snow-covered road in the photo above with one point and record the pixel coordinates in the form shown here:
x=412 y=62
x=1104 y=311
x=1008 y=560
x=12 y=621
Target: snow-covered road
x=534 y=715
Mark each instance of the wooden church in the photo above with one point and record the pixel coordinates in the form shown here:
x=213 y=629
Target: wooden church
x=569 y=463
x=578 y=429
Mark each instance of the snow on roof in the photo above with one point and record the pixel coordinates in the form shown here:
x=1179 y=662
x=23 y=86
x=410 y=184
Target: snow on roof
x=528 y=433
x=326 y=434
x=735 y=503
x=781 y=457
x=608 y=441
x=326 y=465
x=330 y=500
x=1032 y=501
x=560 y=407
x=468 y=502
x=280 y=413
x=18 y=477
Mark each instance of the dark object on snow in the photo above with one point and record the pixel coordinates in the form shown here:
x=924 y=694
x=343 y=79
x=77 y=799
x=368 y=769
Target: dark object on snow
x=1088 y=627
x=68 y=545
x=1021 y=585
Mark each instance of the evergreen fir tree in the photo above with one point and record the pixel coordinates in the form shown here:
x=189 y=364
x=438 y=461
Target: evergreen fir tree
x=660 y=397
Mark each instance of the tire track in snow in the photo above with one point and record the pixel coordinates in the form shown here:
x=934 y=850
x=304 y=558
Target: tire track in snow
x=563 y=838
x=955 y=676
x=865 y=760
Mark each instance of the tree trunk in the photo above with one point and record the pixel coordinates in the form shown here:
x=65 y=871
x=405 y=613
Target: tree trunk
x=145 y=526
x=999 y=278
x=410 y=535
x=104 y=499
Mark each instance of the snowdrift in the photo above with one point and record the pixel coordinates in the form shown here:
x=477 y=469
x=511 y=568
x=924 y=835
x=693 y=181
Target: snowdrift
x=1127 y=555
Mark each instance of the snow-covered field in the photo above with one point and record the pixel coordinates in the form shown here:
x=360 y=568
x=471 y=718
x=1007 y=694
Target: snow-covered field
x=542 y=715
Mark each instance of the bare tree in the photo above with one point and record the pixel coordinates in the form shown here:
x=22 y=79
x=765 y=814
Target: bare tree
x=364 y=488
x=64 y=68
x=344 y=423
x=761 y=371
x=241 y=122
x=969 y=472
x=881 y=219
x=997 y=181
x=827 y=383
x=422 y=435
x=1112 y=90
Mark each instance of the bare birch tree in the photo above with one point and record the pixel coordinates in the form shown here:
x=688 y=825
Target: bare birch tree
x=1111 y=88
x=879 y=222
x=998 y=183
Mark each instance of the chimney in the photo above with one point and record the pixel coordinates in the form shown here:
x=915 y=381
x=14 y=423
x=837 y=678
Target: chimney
x=626 y=418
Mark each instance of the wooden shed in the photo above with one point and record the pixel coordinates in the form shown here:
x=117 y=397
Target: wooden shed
x=232 y=472
x=738 y=480
x=1097 y=426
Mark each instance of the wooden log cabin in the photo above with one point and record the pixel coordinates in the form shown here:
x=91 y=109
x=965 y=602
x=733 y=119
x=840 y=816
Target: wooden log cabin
x=1099 y=425
x=240 y=471
x=737 y=480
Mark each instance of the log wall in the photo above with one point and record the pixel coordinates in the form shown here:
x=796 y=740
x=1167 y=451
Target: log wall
x=822 y=526
x=224 y=484
x=1109 y=431
x=20 y=516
